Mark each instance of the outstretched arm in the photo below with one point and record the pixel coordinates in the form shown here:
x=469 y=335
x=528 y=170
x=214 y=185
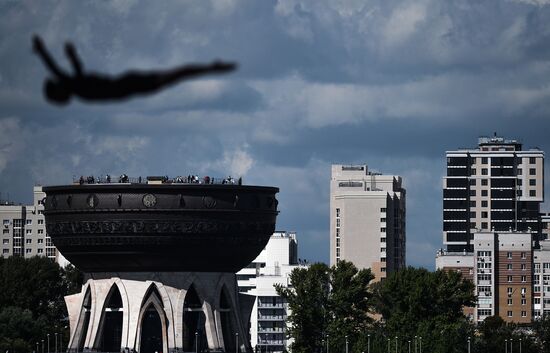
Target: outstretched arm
x=70 y=51
x=41 y=51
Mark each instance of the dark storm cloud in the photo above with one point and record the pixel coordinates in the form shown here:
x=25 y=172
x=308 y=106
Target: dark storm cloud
x=390 y=84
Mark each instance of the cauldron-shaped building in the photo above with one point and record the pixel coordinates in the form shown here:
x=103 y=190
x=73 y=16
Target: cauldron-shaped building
x=160 y=262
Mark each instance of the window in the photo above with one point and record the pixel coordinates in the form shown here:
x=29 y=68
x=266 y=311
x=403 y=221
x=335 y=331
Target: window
x=40 y=251
x=532 y=171
x=472 y=193
x=5 y=241
x=532 y=160
x=509 y=266
x=484 y=182
x=509 y=278
x=382 y=269
x=41 y=231
x=535 y=300
x=28 y=241
x=524 y=279
x=383 y=229
x=484 y=225
x=472 y=204
x=484 y=160
x=383 y=209
x=523 y=267
x=532 y=193
x=524 y=301
x=473 y=171
x=28 y=251
x=338 y=222
x=472 y=215
x=383 y=249
x=509 y=255
x=40 y=221
x=28 y=221
x=520 y=182
x=383 y=259
x=337 y=212
x=484 y=203
x=520 y=193
x=382 y=220
x=520 y=172
x=484 y=214
x=509 y=313
x=484 y=171
x=5 y=251
x=524 y=314
x=472 y=225
x=382 y=240
x=484 y=312
x=5 y=231
x=523 y=255
x=532 y=182
x=40 y=241
x=483 y=192
x=472 y=182
x=510 y=301
x=28 y=231
x=40 y=211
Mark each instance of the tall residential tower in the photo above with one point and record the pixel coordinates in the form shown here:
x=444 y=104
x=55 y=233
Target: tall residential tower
x=367 y=219
x=496 y=187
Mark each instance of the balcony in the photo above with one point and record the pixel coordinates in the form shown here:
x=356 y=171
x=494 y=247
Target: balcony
x=271 y=317
x=271 y=330
x=270 y=306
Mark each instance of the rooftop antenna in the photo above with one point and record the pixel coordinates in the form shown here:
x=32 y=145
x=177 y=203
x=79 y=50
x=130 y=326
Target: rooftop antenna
x=495 y=134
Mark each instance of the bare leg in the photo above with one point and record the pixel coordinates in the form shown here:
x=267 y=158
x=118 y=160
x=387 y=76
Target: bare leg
x=40 y=50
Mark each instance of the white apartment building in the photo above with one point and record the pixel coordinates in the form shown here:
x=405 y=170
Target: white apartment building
x=541 y=280
x=24 y=229
x=367 y=219
x=273 y=266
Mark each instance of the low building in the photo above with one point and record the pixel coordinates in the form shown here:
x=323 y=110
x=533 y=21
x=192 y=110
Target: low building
x=24 y=229
x=269 y=314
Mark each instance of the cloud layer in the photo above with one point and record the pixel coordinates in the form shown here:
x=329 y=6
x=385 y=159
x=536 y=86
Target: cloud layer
x=390 y=84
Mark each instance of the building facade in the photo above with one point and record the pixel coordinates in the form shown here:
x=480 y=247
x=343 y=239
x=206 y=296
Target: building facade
x=273 y=266
x=541 y=280
x=501 y=268
x=496 y=187
x=24 y=229
x=367 y=219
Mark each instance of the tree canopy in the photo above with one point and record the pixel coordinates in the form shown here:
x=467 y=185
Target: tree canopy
x=32 y=300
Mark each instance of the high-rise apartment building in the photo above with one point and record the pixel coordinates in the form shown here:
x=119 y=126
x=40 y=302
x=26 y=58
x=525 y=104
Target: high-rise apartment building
x=367 y=219
x=496 y=187
x=24 y=229
x=270 y=311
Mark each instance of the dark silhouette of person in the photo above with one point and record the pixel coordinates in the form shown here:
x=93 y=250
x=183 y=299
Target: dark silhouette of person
x=98 y=87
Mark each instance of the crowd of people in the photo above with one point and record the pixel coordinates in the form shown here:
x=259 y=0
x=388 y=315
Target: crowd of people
x=189 y=179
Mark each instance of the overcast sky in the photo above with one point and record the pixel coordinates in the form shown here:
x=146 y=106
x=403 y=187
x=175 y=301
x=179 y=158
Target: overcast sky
x=393 y=84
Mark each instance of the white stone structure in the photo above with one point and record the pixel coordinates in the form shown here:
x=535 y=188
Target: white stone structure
x=134 y=311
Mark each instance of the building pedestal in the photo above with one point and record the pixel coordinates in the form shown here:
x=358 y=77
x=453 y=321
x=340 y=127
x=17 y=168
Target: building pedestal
x=150 y=312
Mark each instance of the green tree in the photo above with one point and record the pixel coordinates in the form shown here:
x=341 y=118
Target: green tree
x=349 y=304
x=32 y=301
x=328 y=301
x=416 y=302
x=542 y=333
x=307 y=300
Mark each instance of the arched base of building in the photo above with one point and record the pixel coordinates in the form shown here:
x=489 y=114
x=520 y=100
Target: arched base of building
x=164 y=312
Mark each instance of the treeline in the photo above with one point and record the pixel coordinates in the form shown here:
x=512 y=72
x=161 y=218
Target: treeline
x=339 y=305
x=32 y=304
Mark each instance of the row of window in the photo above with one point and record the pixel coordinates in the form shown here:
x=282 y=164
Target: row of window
x=511 y=301
x=523 y=279
x=28 y=241
x=27 y=251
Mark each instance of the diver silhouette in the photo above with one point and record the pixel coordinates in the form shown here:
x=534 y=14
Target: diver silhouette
x=99 y=87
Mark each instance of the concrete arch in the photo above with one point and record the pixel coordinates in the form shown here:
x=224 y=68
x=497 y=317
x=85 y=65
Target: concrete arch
x=78 y=331
x=104 y=289
x=152 y=298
